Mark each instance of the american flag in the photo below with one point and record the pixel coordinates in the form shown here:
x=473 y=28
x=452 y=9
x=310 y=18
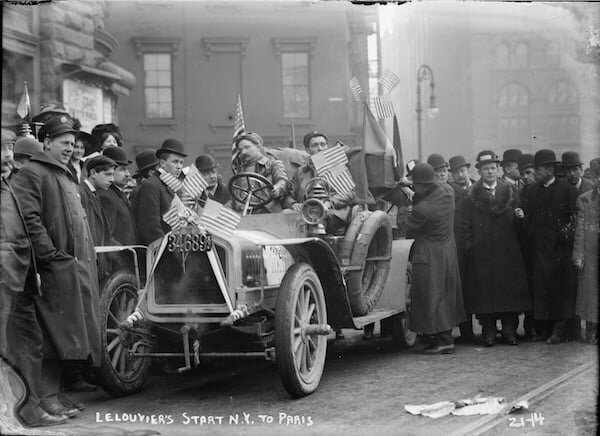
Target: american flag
x=177 y=215
x=194 y=184
x=239 y=127
x=24 y=106
x=389 y=81
x=328 y=159
x=340 y=179
x=219 y=219
x=382 y=109
x=170 y=180
x=355 y=88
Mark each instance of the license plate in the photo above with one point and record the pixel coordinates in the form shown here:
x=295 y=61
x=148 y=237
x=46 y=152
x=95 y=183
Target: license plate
x=189 y=242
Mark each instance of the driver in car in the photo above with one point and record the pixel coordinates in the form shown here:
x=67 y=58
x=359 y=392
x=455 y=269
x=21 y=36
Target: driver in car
x=251 y=158
x=338 y=206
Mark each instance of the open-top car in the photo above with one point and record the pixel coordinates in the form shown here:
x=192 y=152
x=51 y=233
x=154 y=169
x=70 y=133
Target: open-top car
x=276 y=287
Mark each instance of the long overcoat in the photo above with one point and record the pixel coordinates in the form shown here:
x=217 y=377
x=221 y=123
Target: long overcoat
x=497 y=279
x=120 y=217
x=152 y=201
x=436 y=296
x=586 y=248
x=460 y=201
x=550 y=226
x=69 y=306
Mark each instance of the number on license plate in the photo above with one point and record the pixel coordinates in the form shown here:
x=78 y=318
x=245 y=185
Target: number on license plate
x=187 y=242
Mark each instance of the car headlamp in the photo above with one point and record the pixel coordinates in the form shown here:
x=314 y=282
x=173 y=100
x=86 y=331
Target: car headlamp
x=313 y=211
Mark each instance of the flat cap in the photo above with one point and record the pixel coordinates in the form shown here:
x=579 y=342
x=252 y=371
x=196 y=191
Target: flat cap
x=311 y=135
x=27 y=146
x=98 y=161
x=56 y=126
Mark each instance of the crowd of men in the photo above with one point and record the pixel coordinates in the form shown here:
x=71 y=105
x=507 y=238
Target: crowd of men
x=521 y=239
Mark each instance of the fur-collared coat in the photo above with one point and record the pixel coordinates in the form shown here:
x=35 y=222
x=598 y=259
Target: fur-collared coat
x=497 y=280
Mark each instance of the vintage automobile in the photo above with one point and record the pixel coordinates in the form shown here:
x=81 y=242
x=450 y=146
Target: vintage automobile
x=274 y=288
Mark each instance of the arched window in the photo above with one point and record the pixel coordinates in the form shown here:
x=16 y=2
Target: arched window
x=502 y=57
x=562 y=93
x=563 y=112
x=552 y=54
x=520 y=58
x=512 y=105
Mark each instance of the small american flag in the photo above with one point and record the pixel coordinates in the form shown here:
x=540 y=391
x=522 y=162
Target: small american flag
x=239 y=127
x=328 y=159
x=177 y=215
x=170 y=180
x=382 y=109
x=219 y=219
x=194 y=184
x=389 y=81
x=340 y=179
x=356 y=89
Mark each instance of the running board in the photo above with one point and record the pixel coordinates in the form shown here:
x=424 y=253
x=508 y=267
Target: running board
x=374 y=316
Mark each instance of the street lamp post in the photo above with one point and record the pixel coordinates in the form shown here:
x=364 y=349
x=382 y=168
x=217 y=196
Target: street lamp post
x=424 y=73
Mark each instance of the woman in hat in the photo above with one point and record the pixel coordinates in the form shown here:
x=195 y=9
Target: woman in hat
x=436 y=297
x=108 y=135
x=251 y=158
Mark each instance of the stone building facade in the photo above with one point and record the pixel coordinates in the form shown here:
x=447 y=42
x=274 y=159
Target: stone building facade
x=61 y=50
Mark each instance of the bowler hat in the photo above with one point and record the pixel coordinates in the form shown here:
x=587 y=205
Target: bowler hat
x=410 y=166
x=511 y=155
x=90 y=144
x=98 y=161
x=56 y=126
x=437 y=161
x=486 y=156
x=544 y=157
x=145 y=159
x=206 y=162
x=570 y=159
x=171 y=146
x=310 y=136
x=117 y=154
x=27 y=146
x=457 y=162
x=423 y=173
x=525 y=161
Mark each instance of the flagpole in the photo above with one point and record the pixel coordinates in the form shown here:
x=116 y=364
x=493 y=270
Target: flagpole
x=293 y=136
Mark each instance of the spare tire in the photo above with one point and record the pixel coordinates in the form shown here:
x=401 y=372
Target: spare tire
x=372 y=250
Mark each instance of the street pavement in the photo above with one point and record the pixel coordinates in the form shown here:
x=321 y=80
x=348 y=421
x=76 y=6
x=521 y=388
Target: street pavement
x=363 y=390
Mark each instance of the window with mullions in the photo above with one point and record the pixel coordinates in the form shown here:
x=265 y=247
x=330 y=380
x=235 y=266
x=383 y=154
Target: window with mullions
x=158 y=85
x=296 y=84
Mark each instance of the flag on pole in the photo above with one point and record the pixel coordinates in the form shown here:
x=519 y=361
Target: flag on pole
x=194 y=184
x=219 y=219
x=389 y=81
x=239 y=127
x=379 y=153
x=399 y=164
x=178 y=215
x=170 y=180
x=24 y=106
x=382 y=109
x=356 y=89
x=340 y=179
x=328 y=159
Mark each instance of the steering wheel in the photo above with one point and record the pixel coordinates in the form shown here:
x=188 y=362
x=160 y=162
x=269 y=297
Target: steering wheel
x=250 y=189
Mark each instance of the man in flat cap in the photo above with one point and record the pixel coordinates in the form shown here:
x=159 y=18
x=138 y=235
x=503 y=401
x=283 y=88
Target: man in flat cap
x=154 y=196
x=338 y=204
x=65 y=254
x=573 y=169
x=115 y=203
x=497 y=280
x=550 y=223
x=24 y=148
x=436 y=296
x=510 y=168
x=209 y=170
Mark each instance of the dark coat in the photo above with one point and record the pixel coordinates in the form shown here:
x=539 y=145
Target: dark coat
x=221 y=193
x=586 y=247
x=497 y=279
x=153 y=200
x=69 y=305
x=460 y=201
x=17 y=263
x=121 y=221
x=436 y=297
x=95 y=215
x=78 y=178
x=550 y=225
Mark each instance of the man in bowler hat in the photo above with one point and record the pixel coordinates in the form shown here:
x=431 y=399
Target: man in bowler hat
x=572 y=167
x=208 y=167
x=155 y=196
x=510 y=168
x=550 y=223
x=436 y=296
x=24 y=148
